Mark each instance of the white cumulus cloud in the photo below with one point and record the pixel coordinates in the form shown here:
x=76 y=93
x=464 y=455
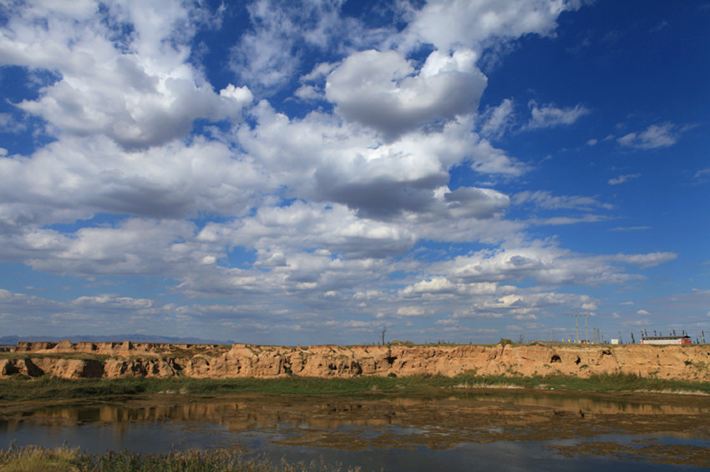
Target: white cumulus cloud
x=383 y=91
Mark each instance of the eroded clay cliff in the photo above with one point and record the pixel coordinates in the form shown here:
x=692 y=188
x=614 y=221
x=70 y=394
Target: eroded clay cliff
x=116 y=360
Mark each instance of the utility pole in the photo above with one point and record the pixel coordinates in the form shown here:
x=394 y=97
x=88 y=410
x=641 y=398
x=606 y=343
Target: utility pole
x=576 y=328
x=384 y=331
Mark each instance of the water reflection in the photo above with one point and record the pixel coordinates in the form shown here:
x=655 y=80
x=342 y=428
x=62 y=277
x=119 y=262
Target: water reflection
x=247 y=412
x=512 y=421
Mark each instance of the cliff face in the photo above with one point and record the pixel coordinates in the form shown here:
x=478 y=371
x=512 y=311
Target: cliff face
x=116 y=360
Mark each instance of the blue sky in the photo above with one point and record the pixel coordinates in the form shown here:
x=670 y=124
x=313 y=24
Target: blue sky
x=310 y=172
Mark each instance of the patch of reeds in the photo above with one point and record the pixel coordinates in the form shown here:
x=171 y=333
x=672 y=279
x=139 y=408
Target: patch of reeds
x=37 y=459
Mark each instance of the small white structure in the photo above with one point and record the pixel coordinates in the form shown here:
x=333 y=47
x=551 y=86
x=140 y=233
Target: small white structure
x=614 y=341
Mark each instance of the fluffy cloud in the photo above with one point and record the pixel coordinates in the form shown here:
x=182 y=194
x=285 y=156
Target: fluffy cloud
x=282 y=230
x=322 y=158
x=437 y=286
x=270 y=53
x=383 y=91
x=264 y=57
x=525 y=305
x=307 y=92
x=113 y=302
x=133 y=247
x=137 y=89
x=550 y=116
x=452 y=24
x=335 y=230
x=546 y=264
x=77 y=177
x=653 y=137
x=12 y=125
x=412 y=311
x=475 y=202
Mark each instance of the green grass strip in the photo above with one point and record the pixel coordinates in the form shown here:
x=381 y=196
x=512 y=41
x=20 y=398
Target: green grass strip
x=42 y=388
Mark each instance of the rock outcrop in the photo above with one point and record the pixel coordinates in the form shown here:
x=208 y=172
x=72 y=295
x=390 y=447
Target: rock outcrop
x=118 y=360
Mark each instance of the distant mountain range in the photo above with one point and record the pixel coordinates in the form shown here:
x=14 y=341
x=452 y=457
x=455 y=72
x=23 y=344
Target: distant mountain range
x=139 y=338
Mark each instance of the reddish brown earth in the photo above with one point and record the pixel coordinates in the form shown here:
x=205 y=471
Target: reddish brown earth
x=116 y=360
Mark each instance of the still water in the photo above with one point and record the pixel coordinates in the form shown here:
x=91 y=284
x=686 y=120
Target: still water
x=492 y=431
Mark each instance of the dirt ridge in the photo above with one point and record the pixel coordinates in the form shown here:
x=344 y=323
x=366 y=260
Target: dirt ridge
x=120 y=360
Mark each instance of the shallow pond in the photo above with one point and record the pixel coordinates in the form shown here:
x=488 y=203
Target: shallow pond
x=495 y=430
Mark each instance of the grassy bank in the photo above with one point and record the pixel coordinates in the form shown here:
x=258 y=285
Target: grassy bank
x=35 y=459
x=42 y=388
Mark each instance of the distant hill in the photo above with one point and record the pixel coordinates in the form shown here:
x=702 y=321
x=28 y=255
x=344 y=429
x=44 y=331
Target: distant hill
x=139 y=338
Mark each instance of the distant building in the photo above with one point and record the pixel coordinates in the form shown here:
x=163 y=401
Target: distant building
x=664 y=340
x=614 y=341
